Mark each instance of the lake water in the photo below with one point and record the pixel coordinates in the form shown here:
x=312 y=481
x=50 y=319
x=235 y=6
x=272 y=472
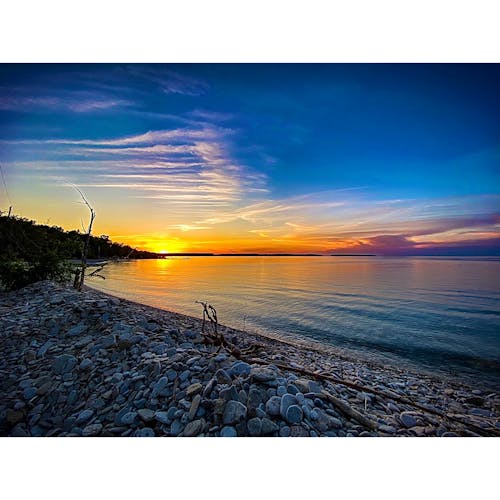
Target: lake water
x=437 y=313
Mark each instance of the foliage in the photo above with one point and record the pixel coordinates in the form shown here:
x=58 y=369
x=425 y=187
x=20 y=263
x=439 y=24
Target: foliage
x=30 y=252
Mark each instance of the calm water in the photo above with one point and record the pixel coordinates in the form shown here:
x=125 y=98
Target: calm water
x=434 y=312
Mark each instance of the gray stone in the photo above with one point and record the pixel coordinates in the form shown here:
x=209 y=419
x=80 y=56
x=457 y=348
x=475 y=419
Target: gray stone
x=92 y=430
x=194 y=389
x=194 y=406
x=146 y=414
x=292 y=389
x=285 y=431
x=281 y=390
x=63 y=364
x=273 y=406
x=294 y=414
x=107 y=341
x=72 y=397
x=391 y=406
x=298 y=431
x=408 y=420
x=162 y=417
x=229 y=393
x=234 y=412
x=171 y=375
x=145 y=432
x=194 y=428
x=86 y=364
x=129 y=418
x=176 y=427
x=29 y=392
x=263 y=374
x=286 y=401
x=255 y=397
x=268 y=427
x=314 y=386
x=83 y=416
x=77 y=330
x=222 y=377
x=45 y=347
x=228 y=432
x=254 y=426
x=160 y=386
x=239 y=369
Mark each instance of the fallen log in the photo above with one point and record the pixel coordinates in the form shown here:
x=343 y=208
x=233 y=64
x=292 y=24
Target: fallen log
x=348 y=411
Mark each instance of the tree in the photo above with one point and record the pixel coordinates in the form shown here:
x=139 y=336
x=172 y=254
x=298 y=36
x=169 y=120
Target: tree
x=80 y=273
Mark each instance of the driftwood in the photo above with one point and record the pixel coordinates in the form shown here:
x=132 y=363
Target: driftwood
x=349 y=411
x=216 y=338
x=384 y=394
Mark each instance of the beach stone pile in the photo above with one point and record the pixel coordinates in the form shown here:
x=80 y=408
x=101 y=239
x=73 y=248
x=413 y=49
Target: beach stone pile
x=89 y=364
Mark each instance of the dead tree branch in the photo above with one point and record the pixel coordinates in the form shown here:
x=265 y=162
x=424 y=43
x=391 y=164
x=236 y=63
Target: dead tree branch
x=80 y=273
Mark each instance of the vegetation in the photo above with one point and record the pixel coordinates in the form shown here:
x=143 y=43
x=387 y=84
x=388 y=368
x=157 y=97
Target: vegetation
x=31 y=252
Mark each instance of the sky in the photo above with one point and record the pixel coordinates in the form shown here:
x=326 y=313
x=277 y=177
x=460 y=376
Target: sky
x=391 y=159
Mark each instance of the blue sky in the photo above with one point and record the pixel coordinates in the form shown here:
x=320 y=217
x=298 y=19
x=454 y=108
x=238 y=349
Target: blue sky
x=301 y=157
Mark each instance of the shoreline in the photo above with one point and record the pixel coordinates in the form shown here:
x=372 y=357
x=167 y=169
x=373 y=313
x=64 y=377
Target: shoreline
x=93 y=364
x=377 y=360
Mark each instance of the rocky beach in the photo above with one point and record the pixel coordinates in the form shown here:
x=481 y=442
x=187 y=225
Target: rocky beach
x=90 y=364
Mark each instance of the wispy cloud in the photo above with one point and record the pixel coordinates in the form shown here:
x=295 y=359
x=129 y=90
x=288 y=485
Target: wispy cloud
x=74 y=101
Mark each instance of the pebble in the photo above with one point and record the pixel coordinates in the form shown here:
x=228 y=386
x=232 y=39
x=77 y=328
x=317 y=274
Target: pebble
x=129 y=418
x=228 y=431
x=408 y=420
x=273 y=406
x=194 y=389
x=92 y=430
x=194 y=406
x=194 y=428
x=263 y=374
x=105 y=377
x=254 y=426
x=162 y=417
x=63 y=364
x=294 y=414
x=84 y=416
x=145 y=432
x=223 y=377
x=146 y=414
x=286 y=401
x=239 y=369
x=234 y=412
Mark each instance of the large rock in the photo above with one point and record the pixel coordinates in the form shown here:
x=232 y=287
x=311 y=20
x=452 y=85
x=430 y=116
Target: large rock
x=64 y=364
x=234 y=412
